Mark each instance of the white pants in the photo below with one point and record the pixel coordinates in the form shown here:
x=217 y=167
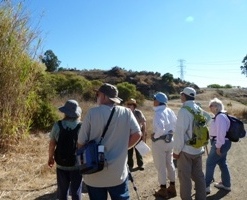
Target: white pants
x=163 y=161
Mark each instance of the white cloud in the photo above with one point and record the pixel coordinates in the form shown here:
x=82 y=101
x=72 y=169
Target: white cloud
x=189 y=19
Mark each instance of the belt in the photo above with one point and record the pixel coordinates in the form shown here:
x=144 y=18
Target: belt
x=167 y=138
x=213 y=138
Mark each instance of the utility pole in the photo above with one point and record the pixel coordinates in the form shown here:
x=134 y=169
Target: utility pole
x=181 y=66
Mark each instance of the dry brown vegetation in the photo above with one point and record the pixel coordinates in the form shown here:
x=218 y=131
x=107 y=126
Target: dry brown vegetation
x=24 y=174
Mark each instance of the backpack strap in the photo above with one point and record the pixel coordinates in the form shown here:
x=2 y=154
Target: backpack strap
x=60 y=125
x=107 y=124
x=193 y=113
x=78 y=126
x=189 y=109
x=220 y=113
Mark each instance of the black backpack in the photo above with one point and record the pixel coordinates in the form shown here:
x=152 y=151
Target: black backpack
x=236 y=129
x=65 y=152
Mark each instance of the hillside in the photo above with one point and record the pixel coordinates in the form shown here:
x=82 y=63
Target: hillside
x=146 y=82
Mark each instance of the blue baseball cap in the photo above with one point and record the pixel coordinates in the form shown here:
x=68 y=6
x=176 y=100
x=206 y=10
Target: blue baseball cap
x=161 y=97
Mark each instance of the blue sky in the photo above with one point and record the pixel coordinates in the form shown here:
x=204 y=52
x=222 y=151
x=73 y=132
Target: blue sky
x=148 y=35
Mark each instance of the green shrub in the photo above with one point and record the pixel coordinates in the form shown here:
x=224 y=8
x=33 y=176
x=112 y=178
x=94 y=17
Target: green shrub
x=127 y=91
x=44 y=117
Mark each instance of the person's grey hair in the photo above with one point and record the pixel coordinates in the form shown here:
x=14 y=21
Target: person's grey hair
x=218 y=103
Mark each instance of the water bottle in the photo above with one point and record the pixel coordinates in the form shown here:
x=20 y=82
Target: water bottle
x=101 y=153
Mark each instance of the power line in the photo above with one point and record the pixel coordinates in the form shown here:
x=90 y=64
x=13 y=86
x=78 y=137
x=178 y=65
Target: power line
x=216 y=62
x=214 y=69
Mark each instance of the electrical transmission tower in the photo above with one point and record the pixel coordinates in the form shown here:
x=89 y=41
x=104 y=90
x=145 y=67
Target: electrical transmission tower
x=181 y=66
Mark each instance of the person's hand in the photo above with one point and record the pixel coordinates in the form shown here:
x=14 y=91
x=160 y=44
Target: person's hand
x=175 y=156
x=51 y=162
x=218 y=151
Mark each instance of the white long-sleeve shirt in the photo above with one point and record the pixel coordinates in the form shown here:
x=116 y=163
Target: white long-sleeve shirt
x=164 y=121
x=183 y=131
x=218 y=128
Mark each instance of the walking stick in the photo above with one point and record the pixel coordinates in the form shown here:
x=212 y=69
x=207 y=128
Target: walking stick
x=132 y=180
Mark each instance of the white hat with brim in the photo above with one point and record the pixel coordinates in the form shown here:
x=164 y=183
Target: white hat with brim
x=189 y=91
x=131 y=101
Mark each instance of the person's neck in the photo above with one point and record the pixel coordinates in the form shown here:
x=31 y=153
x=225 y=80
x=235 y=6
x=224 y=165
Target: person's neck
x=108 y=104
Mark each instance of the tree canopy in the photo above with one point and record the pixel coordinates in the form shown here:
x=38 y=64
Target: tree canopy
x=51 y=61
x=244 y=66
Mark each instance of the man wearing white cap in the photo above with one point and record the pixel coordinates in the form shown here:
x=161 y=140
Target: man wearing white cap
x=164 y=123
x=189 y=159
x=123 y=132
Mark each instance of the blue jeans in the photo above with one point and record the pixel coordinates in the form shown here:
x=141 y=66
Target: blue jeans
x=214 y=159
x=69 y=179
x=119 y=192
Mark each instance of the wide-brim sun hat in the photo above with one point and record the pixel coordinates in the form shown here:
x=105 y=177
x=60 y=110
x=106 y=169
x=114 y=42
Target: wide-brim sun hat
x=131 y=101
x=71 y=109
x=189 y=91
x=161 y=97
x=111 y=91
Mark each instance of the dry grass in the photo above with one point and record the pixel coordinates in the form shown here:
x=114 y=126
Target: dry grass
x=24 y=174
x=24 y=169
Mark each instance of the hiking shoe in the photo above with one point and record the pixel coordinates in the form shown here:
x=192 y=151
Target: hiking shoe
x=221 y=186
x=162 y=192
x=171 y=191
x=208 y=190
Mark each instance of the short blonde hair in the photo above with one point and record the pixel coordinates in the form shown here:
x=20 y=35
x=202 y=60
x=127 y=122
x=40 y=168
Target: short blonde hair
x=218 y=103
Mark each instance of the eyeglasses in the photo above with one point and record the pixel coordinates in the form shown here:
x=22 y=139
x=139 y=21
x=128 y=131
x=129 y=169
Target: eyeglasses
x=130 y=104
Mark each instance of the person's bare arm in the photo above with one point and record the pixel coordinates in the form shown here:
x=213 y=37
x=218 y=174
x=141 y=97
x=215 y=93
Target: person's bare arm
x=144 y=131
x=79 y=145
x=52 y=146
x=134 y=138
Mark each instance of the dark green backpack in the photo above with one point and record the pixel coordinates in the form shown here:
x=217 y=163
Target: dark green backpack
x=200 y=133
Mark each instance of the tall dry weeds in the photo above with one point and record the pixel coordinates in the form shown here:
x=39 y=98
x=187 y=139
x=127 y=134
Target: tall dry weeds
x=18 y=73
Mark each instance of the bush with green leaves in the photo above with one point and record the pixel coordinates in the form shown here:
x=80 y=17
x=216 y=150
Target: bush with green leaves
x=128 y=90
x=66 y=83
x=44 y=117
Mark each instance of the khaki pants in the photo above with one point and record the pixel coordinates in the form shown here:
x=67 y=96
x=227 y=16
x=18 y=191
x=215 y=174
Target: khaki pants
x=162 y=156
x=190 y=167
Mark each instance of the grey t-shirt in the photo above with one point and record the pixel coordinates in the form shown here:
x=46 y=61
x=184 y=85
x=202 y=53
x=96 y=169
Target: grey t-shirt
x=116 y=140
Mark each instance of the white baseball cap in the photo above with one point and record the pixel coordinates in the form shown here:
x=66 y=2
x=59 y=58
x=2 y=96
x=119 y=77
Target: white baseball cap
x=189 y=91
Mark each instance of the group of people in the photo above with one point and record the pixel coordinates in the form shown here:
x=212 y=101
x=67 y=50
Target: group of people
x=126 y=129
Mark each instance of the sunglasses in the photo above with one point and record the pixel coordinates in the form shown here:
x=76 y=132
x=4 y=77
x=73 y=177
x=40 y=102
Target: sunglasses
x=130 y=104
